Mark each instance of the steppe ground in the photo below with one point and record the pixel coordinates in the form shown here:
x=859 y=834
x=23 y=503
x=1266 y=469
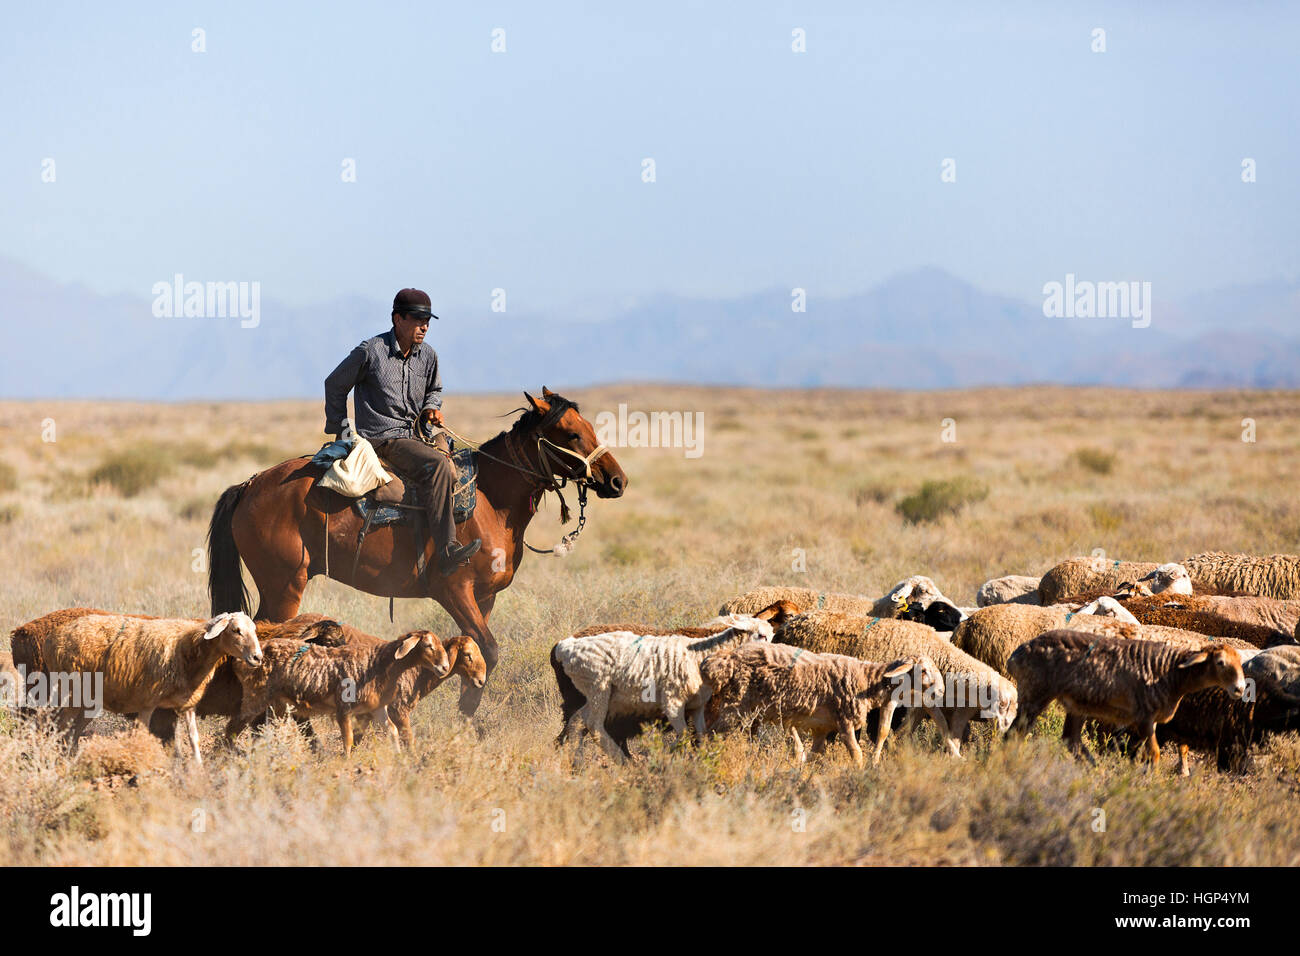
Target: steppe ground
x=798 y=487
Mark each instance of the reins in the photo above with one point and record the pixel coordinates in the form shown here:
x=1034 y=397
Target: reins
x=545 y=480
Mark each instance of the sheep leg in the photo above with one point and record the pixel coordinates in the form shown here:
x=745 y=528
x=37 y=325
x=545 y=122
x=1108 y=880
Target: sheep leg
x=382 y=715
x=594 y=713
x=1184 y=767
x=192 y=726
x=1072 y=732
x=936 y=714
x=1147 y=730
x=882 y=729
x=850 y=734
x=345 y=729
x=674 y=712
x=957 y=729
x=799 y=753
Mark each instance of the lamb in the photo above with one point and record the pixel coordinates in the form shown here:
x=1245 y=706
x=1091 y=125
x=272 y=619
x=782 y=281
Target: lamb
x=992 y=633
x=341 y=681
x=147 y=663
x=1272 y=576
x=641 y=675
x=1079 y=575
x=817 y=693
x=1123 y=683
x=916 y=590
x=972 y=689
x=1009 y=589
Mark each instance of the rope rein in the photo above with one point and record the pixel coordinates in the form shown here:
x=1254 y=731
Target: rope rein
x=545 y=480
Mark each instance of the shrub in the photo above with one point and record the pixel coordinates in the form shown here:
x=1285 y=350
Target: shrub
x=938 y=498
x=1095 y=460
x=133 y=470
x=8 y=477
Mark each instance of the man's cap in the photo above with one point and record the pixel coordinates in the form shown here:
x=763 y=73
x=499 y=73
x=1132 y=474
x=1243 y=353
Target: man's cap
x=412 y=302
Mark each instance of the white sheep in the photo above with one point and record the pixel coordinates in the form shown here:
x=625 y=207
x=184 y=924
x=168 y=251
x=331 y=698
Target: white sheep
x=917 y=591
x=1008 y=589
x=620 y=673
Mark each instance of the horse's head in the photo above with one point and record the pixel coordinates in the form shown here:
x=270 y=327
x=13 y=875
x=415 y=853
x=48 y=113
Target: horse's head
x=568 y=447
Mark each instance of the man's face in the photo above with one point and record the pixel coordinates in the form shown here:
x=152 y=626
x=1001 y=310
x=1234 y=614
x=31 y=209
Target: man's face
x=414 y=326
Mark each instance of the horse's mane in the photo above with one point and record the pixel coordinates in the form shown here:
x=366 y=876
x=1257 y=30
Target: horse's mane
x=532 y=419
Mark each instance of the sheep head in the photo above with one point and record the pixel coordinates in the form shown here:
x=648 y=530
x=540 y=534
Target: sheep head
x=1171 y=578
x=425 y=651
x=1109 y=607
x=918 y=589
x=919 y=682
x=236 y=636
x=1220 y=666
x=469 y=659
x=780 y=612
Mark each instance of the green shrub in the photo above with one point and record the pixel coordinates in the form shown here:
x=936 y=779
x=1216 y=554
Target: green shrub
x=938 y=498
x=1095 y=460
x=134 y=470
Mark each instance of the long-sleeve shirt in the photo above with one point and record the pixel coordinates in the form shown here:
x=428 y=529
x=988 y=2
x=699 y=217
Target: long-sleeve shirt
x=391 y=390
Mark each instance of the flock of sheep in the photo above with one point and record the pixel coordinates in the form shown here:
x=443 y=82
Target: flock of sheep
x=1201 y=653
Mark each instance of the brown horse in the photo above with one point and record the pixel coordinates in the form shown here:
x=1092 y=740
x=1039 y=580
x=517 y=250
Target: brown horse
x=276 y=522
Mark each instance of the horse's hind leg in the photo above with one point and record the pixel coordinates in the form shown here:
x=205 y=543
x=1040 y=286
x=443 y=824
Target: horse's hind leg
x=279 y=590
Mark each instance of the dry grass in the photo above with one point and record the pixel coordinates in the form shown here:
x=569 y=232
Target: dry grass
x=757 y=505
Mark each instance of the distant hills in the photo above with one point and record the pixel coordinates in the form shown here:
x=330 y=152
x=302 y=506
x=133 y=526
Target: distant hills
x=921 y=329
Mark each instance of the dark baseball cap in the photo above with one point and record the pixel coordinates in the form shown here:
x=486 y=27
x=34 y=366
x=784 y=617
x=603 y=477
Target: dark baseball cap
x=412 y=302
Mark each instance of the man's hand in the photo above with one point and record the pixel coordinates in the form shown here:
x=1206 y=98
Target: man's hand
x=433 y=415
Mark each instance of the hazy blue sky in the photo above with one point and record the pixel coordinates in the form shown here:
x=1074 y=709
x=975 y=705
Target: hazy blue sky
x=522 y=170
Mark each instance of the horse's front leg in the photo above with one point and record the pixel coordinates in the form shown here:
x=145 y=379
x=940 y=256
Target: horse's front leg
x=464 y=610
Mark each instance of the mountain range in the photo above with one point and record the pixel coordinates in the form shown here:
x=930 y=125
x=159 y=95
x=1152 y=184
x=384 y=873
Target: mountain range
x=920 y=329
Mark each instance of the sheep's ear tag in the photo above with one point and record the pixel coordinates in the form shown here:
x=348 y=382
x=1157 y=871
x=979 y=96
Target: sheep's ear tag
x=1194 y=660
x=408 y=645
x=217 y=626
x=902 y=605
x=902 y=667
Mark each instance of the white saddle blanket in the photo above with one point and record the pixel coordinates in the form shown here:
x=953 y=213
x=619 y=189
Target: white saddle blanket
x=357 y=474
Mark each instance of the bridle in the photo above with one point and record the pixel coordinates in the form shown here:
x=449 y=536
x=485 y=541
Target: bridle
x=548 y=476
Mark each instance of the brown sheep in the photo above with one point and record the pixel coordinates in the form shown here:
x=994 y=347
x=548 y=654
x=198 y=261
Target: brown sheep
x=1120 y=682
x=145 y=663
x=342 y=681
x=816 y=693
x=222 y=694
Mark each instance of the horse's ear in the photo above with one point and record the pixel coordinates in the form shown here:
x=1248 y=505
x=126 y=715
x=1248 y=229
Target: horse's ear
x=547 y=393
x=533 y=402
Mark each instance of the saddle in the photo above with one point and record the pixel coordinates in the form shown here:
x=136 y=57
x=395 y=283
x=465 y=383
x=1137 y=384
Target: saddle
x=398 y=503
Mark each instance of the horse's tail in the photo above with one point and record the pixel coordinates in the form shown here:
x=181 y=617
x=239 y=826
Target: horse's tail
x=225 y=576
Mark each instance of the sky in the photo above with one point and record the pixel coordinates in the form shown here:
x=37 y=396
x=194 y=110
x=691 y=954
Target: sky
x=522 y=170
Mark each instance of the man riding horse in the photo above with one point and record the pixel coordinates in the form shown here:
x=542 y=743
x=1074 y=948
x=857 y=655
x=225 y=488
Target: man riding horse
x=399 y=390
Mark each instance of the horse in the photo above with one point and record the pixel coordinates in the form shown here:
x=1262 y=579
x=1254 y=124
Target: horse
x=279 y=522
